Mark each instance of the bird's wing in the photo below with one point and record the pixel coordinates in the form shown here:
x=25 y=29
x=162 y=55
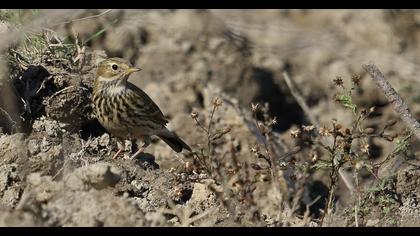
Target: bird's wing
x=147 y=106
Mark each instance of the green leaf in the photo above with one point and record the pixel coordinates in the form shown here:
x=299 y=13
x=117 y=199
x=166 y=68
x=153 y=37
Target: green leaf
x=321 y=165
x=346 y=100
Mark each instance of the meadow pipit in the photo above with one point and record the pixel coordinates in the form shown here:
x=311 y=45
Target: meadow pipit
x=126 y=111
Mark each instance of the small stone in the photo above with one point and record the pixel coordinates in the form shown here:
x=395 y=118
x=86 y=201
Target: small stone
x=33 y=147
x=104 y=140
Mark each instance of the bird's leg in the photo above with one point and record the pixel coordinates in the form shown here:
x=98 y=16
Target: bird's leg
x=120 y=149
x=147 y=142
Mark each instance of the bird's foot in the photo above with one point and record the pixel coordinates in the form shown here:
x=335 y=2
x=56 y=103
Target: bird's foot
x=137 y=153
x=142 y=148
x=118 y=153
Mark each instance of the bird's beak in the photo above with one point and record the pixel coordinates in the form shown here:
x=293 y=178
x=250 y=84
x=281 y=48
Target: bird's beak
x=132 y=70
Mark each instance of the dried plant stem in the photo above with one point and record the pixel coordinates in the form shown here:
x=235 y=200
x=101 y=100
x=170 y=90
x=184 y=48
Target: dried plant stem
x=394 y=98
x=209 y=146
x=331 y=191
x=358 y=200
x=333 y=181
x=301 y=101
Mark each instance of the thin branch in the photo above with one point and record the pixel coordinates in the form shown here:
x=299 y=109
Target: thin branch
x=300 y=100
x=394 y=98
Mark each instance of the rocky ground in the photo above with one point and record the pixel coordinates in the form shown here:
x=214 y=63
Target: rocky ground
x=55 y=158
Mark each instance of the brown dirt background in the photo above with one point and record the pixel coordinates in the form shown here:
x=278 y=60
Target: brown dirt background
x=55 y=164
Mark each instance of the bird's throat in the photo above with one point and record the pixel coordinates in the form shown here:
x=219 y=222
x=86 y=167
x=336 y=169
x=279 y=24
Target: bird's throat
x=116 y=90
x=114 y=87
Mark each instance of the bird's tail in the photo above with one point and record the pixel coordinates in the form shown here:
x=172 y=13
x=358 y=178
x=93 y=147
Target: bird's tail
x=173 y=141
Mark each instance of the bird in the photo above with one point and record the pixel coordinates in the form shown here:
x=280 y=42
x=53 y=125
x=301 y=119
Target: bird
x=126 y=111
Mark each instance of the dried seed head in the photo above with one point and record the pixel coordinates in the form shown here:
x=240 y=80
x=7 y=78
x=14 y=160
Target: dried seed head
x=295 y=133
x=308 y=128
x=347 y=131
x=255 y=148
x=273 y=121
x=338 y=126
x=255 y=107
x=217 y=102
x=365 y=148
x=282 y=165
x=356 y=79
x=324 y=131
x=194 y=114
x=338 y=81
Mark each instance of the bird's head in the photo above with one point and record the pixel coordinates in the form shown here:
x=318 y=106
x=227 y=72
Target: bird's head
x=114 y=69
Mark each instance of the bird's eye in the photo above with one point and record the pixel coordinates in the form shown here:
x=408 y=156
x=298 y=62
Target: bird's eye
x=115 y=67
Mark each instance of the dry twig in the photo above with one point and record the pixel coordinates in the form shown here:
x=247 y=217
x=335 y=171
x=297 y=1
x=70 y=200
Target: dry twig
x=300 y=100
x=394 y=98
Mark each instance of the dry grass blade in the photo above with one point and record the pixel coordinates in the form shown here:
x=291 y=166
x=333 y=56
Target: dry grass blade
x=85 y=18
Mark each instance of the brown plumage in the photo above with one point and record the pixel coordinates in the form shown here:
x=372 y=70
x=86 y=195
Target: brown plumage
x=126 y=111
